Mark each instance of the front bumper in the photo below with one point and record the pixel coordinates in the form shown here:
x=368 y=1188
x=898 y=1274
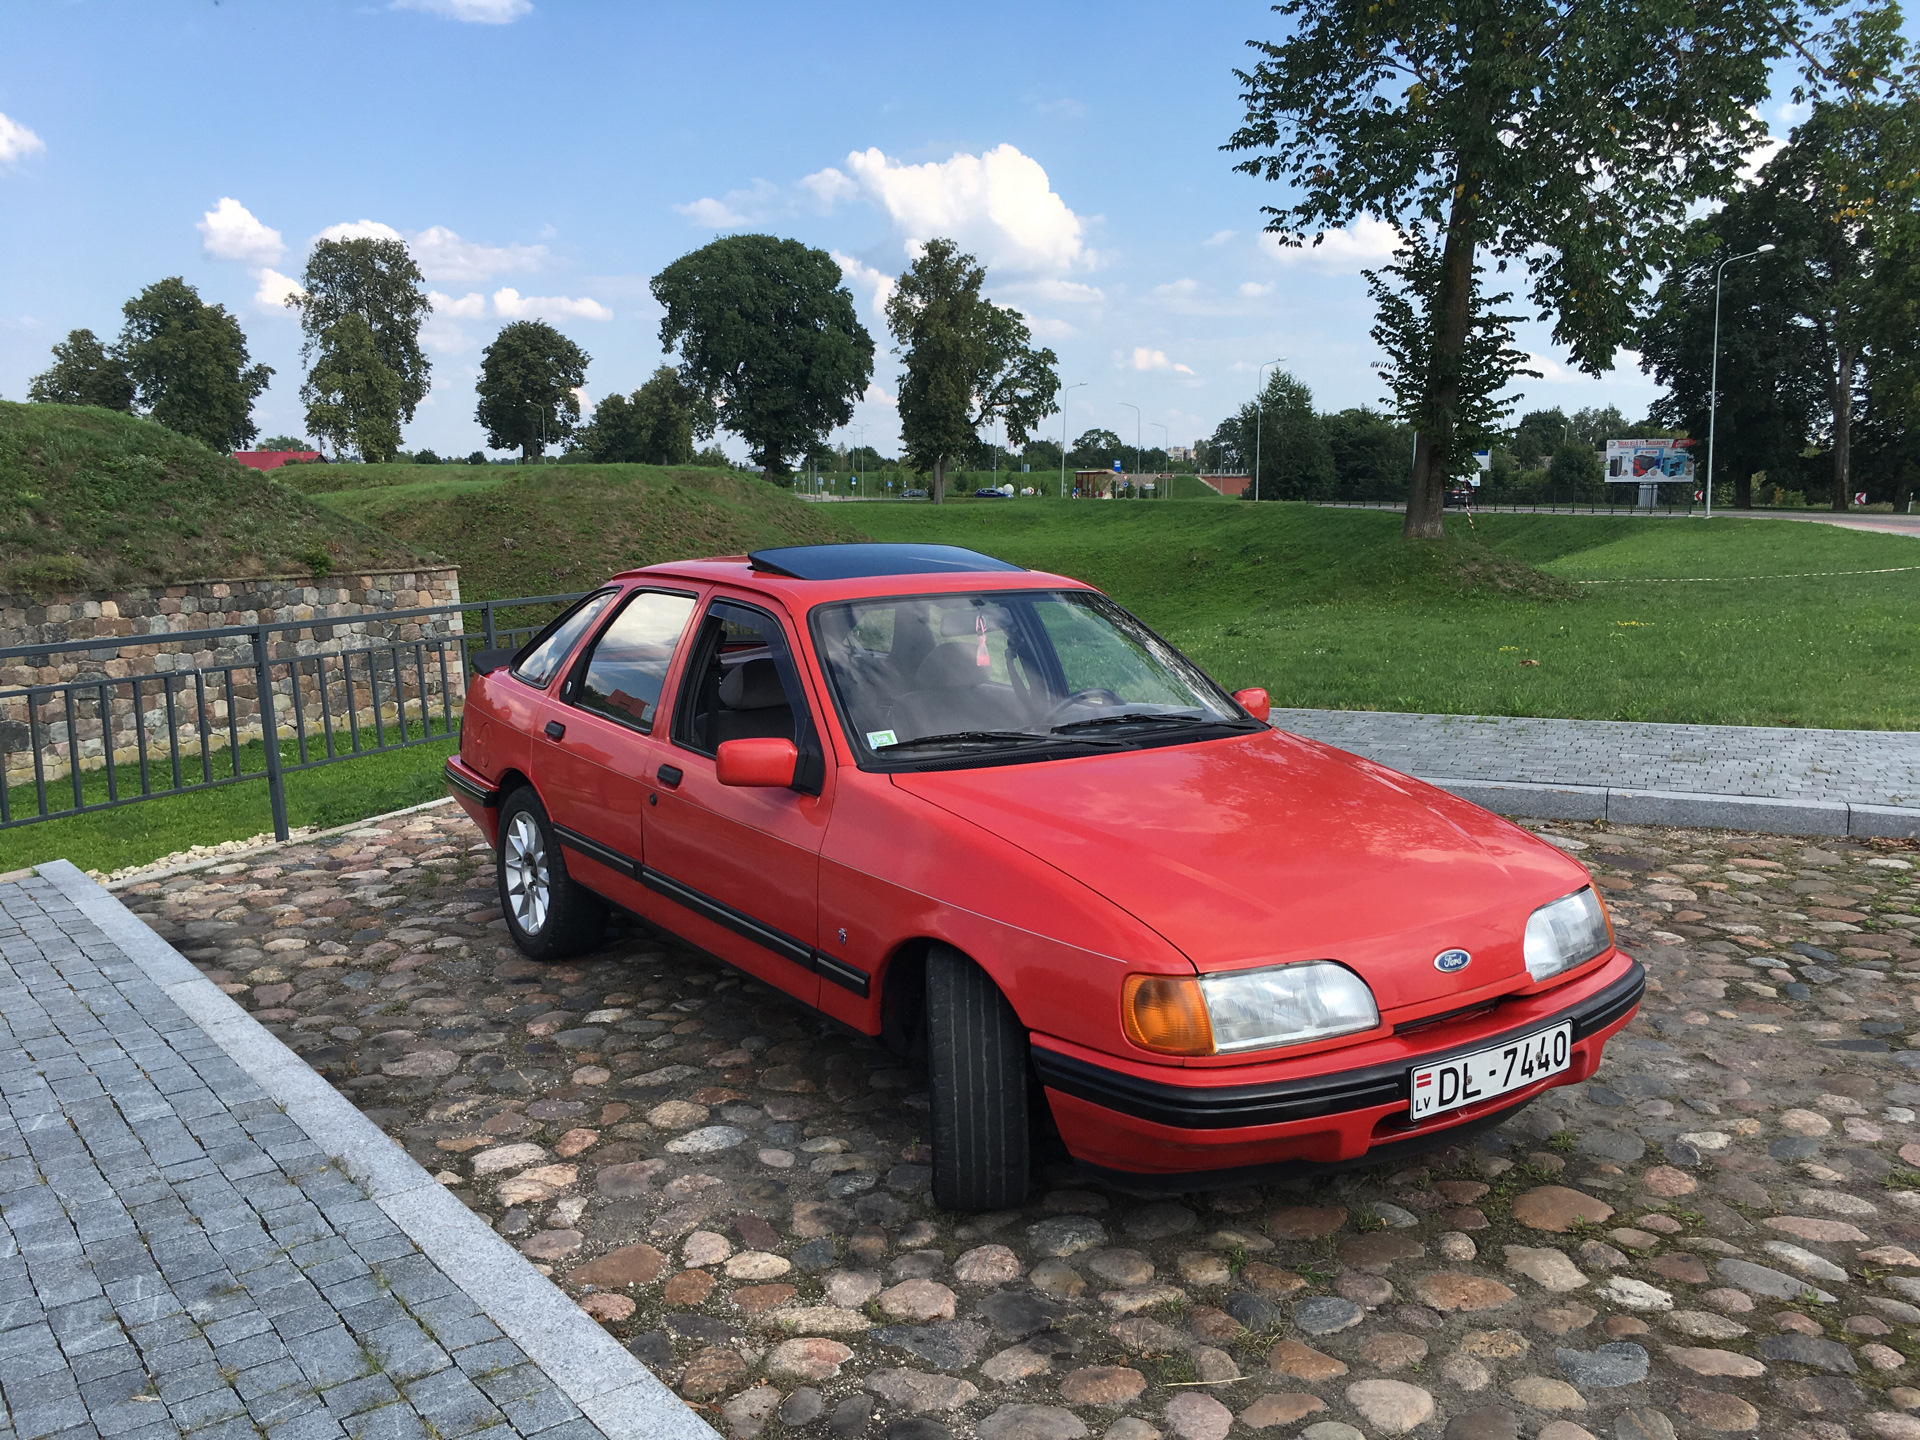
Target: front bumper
x=1147 y=1121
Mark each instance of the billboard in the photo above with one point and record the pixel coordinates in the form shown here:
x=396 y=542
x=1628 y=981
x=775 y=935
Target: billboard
x=1642 y=462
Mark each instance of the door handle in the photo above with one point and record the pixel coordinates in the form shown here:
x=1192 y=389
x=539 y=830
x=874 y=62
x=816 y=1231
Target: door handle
x=669 y=775
x=555 y=729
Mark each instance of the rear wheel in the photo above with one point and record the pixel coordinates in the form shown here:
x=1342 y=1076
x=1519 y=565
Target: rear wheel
x=549 y=915
x=977 y=1073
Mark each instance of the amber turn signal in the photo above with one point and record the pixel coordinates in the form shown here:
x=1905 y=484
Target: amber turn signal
x=1166 y=1013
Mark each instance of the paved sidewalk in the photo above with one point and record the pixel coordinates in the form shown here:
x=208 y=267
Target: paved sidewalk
x=184 y=1251
x=1778 y=780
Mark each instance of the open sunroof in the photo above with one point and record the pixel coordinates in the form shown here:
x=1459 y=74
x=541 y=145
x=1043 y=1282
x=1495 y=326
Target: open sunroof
x=860 y=562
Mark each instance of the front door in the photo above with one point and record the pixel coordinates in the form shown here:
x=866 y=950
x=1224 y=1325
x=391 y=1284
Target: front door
x=736 y=870
x=597 y=724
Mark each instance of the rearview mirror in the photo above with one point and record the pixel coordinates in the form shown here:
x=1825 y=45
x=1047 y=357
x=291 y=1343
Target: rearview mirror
x=763 y=762
x=1254 y=702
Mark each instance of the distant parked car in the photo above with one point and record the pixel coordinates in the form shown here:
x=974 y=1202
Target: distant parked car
x=914 y=494
x=1460 y=497
x=987 y=492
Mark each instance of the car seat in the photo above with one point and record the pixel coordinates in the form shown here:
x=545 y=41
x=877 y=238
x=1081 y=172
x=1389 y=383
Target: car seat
x=753 y=703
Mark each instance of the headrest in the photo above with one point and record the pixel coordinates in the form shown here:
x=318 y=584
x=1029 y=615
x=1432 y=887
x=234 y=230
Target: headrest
x=949 y=667
x=754 y=685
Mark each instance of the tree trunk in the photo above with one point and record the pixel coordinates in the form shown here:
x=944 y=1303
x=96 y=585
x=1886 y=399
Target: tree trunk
x=1843 y=430
x=529 y=452
x=940 y=481
x=1743 y=491
x=1433 y=449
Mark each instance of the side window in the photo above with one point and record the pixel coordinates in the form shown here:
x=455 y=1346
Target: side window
x=740 y=683
x=622 y=674
x=548 y=651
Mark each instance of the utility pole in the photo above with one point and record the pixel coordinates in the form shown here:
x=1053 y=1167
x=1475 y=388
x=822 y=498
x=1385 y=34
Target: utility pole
x=1713 y=385
x=1078 y=384
x=1165 y=436
x=1259 y=417
x=1128 y=404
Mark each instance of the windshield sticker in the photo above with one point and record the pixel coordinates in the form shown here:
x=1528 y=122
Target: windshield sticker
x=878 y=738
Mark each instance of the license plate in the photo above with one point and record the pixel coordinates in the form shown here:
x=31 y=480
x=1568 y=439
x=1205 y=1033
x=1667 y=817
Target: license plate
x=1483 y=1074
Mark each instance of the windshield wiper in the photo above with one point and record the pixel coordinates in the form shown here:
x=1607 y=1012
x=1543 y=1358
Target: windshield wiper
x=977 y=737
x=1151 y=717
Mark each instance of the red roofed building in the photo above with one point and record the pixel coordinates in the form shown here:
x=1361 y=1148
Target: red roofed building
x=272 y=459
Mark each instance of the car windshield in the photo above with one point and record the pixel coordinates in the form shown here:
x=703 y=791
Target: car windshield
x=1009 y=673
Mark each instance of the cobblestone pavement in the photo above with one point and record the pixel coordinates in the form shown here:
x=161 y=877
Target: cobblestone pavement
x=1714 y=1236
x=178 y=1257
x=1866 y=767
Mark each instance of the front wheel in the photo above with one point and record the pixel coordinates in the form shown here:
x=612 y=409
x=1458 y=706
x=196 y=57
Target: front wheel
x=549 y=915
x=977 y=1074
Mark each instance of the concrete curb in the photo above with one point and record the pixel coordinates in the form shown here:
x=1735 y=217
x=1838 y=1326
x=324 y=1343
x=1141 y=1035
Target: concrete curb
x=1766 y=815
x=595 y=1372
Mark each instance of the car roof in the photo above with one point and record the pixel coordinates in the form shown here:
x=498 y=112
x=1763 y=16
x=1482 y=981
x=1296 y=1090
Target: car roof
x=807 y=574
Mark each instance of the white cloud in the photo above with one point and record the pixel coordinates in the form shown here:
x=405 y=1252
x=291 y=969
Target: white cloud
x=17 y=141
x=275 y=290
x=739 y=207
x=999 y=205
x=510 y=304
x=1060 y=292
x=1365 y=243
x=443 y=255
x=360 y=230
x=1254 y=290
x=1551 y=372
x=1145 y=359
x=829 y=187
x=474 y=12
x=1220 y=237
x=470 y=306
x=876 y=396
x=230 y=232
x=858 y=272
x=1182 y=289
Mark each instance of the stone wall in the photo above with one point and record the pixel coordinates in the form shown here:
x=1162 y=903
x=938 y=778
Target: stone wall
x=118 y=637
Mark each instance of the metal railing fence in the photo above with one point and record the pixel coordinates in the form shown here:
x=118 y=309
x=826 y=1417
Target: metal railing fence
x=303 y=693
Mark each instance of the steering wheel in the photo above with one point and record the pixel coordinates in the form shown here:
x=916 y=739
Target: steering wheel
x=1100 y=694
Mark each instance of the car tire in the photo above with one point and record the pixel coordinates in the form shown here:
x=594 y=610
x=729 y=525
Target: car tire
x=977 y=1078
x=549 y=915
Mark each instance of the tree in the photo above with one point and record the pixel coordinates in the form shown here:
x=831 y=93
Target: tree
x=1771 y=392
x=84 y=372
x=188 y=364
x=528 y=379
x=967 y=361
x=1097 y=449
x=656 y=425
x=282 y=442
x=768 y=339
x=1539 y=433
x=1371 y=454
x=1565 y=137
x=1280 y=426
x=353 y=395
x=377 y=281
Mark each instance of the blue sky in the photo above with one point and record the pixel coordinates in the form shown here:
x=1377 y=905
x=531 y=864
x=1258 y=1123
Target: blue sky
x=545 y=159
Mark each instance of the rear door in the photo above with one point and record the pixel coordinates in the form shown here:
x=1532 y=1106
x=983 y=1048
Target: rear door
x=595 y=736
x=737 y=871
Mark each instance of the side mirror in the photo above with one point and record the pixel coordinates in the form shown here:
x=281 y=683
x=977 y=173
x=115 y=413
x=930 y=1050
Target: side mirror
x=1254 y=702
x=762 y=763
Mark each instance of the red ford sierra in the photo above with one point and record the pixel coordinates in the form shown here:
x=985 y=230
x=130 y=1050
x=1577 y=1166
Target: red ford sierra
x=988 y=816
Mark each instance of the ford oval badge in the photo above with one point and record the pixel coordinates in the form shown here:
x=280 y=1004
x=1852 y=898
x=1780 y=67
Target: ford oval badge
x=1448 y=961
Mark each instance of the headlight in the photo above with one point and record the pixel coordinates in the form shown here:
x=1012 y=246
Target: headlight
x=1569 y=932
x=1246 y=1009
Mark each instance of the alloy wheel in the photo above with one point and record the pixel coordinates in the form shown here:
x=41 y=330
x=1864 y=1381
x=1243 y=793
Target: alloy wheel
x=528 y=881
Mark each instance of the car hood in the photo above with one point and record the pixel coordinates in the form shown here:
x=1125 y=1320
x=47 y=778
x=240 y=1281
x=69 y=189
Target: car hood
x=1269 y=848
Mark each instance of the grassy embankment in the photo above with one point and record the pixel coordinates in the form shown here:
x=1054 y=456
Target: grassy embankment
x=570 y=527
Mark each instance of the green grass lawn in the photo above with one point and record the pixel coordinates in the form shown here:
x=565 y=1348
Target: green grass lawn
x=1331 y=608
x=135 y=834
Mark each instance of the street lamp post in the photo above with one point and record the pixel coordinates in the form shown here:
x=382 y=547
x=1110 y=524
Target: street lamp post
x=863 y=445
x=1259 y=416
x=1713 y=385
x=1166 y=437
x=1128 y=404
x=1063 y=435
